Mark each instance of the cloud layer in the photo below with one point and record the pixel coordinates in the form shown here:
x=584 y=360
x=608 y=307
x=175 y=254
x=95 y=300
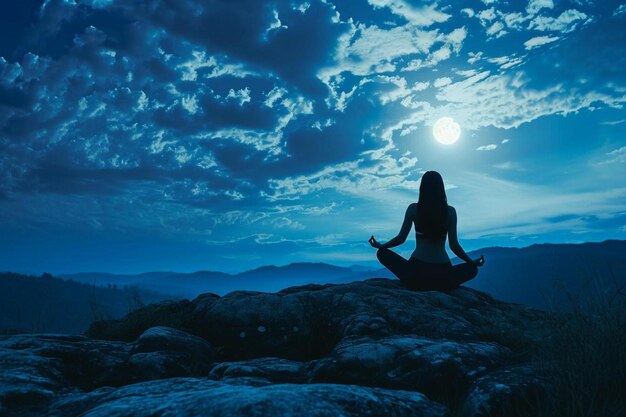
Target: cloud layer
x=287 y=131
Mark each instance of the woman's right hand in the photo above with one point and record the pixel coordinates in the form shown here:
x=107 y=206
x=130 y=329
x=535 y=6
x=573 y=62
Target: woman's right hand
x=479 y=261
x=374 y=243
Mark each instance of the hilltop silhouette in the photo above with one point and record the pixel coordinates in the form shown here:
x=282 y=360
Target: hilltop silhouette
x=522 y=275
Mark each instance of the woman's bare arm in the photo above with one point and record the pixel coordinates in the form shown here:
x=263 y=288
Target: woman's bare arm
x=453 y=240
x=404 y=230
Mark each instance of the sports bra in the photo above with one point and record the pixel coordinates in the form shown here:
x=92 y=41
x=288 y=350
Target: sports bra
x=420 y=235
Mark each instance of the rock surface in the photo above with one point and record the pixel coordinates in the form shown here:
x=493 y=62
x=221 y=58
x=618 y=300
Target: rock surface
x=202 y=397
x=365 y=348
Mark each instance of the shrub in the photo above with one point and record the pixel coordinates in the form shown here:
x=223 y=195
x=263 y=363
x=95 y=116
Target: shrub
x=585 y=357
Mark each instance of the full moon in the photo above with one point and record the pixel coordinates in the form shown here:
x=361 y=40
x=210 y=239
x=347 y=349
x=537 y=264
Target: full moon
x=446 y=130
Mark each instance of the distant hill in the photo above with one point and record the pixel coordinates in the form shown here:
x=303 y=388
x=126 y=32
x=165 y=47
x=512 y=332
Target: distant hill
x=535 y=275
x=547 y=275
x=266 y=278
x=48 y=304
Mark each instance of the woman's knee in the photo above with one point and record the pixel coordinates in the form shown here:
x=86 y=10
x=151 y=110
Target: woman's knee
x=381 y=253
x=473 y=270
x=463 y=272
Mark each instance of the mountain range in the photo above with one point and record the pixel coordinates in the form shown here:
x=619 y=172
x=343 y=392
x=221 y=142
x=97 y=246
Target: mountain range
x=557 y=277
x=541 y=275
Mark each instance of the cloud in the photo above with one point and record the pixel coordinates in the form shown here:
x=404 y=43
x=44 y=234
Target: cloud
x=139 y=109
x=190 y=103
x=368 y=50
x=498 y=23
x=468 y=12
x=250 y=122
x=621 y=9
x=302 y=7
x=514 y=20
x=614 y=122
x=421 y=16
x=496 y=30
x=371 y=174
x=531 y=205
x=486 y=16
x=275 y=24
x=211 y=67
x=615 y=156
x=274 y=95
x=399 y=90
x=538 y=41
x=474 y=57
x=534 y=6
x=443 y=81
x=500 y=100
x=241 y=96
x=566 y=22
x=285 y=222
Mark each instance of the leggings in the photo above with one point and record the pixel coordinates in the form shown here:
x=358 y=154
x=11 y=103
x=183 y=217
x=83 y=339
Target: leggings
x=425 y=276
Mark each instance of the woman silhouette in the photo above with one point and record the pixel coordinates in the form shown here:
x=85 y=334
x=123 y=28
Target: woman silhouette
x=429 y=267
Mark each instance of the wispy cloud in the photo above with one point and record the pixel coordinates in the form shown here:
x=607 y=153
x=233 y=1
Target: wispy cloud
x=621 y=9
x=615 y=156
x=535 y=6
x=423 y=16
x=530 y=205
x=613 y=122
x=566 y=22
x=538 y=41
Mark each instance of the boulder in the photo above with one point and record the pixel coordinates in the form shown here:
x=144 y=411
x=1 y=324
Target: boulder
x=275 y=370
x=305 y=323
x=509 y=391
x=364 y=348
x=440 y=368
x=35 y=369
x=163 y=352
x=190 y=397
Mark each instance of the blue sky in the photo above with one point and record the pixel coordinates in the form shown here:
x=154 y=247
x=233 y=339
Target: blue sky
x=218 y=134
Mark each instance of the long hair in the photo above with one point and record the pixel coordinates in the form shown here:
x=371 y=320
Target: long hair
x=432 y=206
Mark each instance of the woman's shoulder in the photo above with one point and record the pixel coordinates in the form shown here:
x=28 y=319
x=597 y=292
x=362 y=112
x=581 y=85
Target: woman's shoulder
x=451 y=210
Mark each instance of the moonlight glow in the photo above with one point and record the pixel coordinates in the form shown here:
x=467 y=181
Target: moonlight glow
x=446 y=130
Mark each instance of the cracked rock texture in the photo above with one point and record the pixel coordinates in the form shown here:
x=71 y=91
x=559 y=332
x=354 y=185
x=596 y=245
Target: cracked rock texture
x=365 y=348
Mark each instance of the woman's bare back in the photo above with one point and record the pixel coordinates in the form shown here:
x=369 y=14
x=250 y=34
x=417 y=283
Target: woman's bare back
x=428 y=250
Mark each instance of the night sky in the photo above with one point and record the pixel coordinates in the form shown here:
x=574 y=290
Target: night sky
x=223 y=135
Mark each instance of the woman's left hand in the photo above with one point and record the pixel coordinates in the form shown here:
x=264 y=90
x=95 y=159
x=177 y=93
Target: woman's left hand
x=374 y=243
x=479 y=261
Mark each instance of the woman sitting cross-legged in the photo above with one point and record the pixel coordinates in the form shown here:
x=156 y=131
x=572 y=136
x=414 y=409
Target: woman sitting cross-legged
x=429 y=267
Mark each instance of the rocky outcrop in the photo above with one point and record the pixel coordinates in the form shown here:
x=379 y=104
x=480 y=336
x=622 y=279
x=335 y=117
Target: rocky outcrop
x=203 y=397
x=365 y=348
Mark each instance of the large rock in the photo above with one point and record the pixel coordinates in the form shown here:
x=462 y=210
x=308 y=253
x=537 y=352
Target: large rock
x=304 y=323
x=365 y=348
x=75 y=361
x=440 y=368
x=28 y=381
x=274 y=370
x=35 y=369
x=509 y=391
x=189 y=397
x=173 y=314
x=163 y=352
